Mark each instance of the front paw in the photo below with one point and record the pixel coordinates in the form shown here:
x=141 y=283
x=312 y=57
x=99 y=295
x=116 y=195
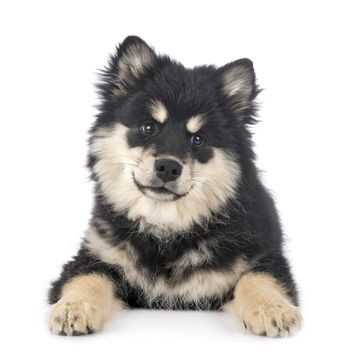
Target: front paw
x=270 y=319
x=74 y=318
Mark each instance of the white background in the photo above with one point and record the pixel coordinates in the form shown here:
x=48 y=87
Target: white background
x=49 y=54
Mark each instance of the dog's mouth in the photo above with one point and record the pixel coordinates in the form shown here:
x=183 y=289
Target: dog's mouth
x=160 y=193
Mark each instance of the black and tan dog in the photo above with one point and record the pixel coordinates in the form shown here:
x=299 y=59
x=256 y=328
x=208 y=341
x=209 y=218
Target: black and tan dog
x=181 y=219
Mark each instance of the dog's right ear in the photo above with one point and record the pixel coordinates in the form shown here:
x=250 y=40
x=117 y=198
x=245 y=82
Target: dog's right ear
x=133 y=59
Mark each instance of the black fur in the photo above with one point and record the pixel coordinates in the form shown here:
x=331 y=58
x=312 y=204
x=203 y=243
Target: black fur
x=248 y=226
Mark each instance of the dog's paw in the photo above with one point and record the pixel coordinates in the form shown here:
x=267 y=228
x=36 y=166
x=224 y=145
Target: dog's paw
x=74 y=318
x=273 y=319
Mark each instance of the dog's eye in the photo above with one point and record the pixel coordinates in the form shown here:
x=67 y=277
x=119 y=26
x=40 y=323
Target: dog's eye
x=148 y=128
x=197 y=140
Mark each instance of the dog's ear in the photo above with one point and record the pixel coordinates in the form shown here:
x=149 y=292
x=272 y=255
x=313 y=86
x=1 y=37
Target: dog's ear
x=132 y=60
x=239 y=86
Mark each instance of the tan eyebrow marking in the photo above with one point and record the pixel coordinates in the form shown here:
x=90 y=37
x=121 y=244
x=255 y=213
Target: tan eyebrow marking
x=159 y=112
x=195 y=123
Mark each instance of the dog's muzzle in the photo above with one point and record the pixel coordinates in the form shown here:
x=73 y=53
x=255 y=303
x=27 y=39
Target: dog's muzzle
x=167 y=169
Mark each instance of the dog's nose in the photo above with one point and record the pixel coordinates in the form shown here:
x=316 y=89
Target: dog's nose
x=168 y=169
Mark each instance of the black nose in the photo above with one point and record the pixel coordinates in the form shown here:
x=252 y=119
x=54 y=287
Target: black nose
x=168 y=169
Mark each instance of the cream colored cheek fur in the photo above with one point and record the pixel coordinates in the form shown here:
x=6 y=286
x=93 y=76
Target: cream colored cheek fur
x=213 y=183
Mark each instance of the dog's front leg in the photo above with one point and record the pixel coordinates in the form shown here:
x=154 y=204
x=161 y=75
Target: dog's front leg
x=86 y=303
x=264 y=301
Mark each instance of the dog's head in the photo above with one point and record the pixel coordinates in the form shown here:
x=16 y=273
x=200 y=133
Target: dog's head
x=168 y=143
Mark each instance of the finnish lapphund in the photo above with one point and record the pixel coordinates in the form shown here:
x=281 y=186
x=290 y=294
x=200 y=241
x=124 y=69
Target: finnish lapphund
x=180 y=219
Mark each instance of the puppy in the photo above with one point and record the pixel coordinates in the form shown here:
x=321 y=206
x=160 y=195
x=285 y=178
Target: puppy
x=181 y=219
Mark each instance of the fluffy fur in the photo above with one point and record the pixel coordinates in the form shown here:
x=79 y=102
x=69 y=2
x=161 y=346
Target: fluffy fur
x=180 y=219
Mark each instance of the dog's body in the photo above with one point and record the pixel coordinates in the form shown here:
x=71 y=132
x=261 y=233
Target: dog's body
x=181 y=219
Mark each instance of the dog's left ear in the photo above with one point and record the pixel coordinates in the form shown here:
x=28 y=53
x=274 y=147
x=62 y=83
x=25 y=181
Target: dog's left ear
x=238 y=85
x=132 y=60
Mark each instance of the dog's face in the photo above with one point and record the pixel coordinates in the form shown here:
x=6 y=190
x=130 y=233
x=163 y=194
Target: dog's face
x=167 y=145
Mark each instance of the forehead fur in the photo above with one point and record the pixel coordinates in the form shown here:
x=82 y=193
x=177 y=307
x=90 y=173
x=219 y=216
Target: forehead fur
x=184 y=92
x=195 y=123
x=158 y=111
